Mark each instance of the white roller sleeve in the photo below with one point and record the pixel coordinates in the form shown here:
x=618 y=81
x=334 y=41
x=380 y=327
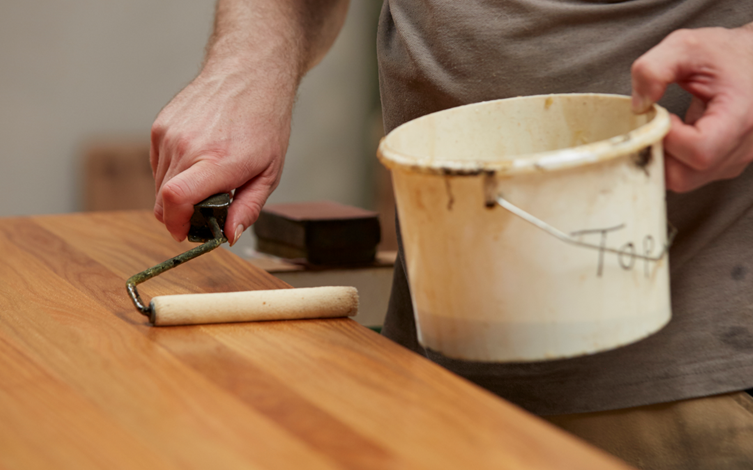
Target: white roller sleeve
x=280 y=304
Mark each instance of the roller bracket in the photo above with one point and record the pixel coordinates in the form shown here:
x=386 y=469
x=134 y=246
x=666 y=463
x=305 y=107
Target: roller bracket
x=206 y=226
x=214 y=206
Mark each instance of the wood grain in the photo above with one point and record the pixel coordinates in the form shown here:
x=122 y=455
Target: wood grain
x=85 y=382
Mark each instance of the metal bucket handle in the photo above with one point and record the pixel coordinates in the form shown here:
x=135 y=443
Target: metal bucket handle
x=671 y=232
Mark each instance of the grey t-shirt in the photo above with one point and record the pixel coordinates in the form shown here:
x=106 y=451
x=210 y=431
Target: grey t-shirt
x=437 y=54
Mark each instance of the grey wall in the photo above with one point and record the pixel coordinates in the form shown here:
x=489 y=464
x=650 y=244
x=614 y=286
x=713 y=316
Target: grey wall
x=71 y=70
x=331 y=154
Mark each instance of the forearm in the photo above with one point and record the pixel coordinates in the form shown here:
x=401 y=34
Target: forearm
x=281 y=38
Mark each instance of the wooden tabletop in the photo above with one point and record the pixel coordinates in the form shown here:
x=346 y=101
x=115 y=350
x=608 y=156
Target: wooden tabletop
x=86 y=382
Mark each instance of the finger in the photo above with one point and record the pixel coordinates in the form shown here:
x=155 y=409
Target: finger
x=153 y=161
x=708 y=142
x=154 y=148
x=248 y=202
x=695 y=111
x=160 y=154
x=679 y=177
x=162 y=173
x=169 y=164
x=656 y=69
x=158 y=211
x=182 y=192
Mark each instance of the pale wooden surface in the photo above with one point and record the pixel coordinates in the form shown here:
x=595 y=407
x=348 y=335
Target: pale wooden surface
x=85 y=382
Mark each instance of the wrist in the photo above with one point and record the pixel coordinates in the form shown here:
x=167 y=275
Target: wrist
x=244 y=54
x=258 y=75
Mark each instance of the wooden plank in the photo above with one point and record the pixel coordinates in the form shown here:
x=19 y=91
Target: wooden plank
x=85 y=382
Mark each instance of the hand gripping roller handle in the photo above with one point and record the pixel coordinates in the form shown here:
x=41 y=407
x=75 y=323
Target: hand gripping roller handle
x=283 y=304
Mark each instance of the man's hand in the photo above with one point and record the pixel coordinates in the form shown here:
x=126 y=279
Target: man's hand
x=221 y=133
x=229 y=129
x=715 y=141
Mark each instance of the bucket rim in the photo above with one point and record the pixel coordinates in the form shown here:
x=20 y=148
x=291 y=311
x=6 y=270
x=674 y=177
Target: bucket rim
x=632 y=142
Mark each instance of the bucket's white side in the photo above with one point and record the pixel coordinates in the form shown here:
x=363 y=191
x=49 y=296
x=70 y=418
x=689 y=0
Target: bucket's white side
x=488 y=286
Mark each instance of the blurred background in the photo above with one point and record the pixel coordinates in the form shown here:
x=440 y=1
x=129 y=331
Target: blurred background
x=81 y=82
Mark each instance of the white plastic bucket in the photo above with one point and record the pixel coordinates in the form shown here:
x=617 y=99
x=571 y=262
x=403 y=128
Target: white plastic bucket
x=534 y=228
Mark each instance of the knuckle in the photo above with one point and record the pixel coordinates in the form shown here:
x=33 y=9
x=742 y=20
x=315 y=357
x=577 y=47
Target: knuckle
x=250 y=168
x=174 y=193
x=640 y=67
x=181 y=144
x=158 y=130
x=701 y=158
x=252 y=211
x=176 y=143
x=684 y=37
x=649 y=75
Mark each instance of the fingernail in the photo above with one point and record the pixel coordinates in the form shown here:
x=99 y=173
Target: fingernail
x=636 y=104
x=238 y=233
x=640 y=104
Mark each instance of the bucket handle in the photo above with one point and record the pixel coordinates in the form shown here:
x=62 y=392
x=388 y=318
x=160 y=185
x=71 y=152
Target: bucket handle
x=672 y=231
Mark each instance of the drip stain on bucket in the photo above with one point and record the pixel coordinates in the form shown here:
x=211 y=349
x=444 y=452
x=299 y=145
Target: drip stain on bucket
x=450 y=197
x=642 y=159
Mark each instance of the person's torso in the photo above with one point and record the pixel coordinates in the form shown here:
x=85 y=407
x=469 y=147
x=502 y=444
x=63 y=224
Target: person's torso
x=437 y=54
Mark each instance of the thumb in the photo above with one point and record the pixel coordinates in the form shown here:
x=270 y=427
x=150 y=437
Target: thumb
x=248 y=202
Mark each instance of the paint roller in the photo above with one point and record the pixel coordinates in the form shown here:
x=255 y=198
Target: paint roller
x=191 y=309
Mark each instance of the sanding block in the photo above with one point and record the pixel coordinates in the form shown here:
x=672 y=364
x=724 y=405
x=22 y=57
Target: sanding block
x=190 y=309
x=319 y=233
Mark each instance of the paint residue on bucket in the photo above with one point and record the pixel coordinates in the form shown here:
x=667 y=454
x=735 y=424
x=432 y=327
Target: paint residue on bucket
x=489 y=284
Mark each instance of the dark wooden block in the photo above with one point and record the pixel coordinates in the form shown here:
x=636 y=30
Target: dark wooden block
x=319 y=232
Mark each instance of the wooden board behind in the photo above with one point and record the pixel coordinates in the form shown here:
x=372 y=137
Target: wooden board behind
x=86 y=382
